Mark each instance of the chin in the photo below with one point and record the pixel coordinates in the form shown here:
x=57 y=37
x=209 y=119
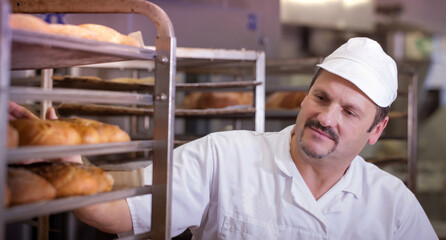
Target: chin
x=316 y=150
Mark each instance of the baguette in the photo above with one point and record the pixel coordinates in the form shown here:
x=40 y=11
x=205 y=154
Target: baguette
x=204 y=100
x=107 y=34
x=45 y=132
x=28 y=22
x=13 y=137
x=27 y=187
x=284 y=100
x=67 y=132
x=67 y=178
x=104 y=180
x=107 y=132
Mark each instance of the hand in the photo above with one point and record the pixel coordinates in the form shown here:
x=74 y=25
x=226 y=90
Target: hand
x=18 y=112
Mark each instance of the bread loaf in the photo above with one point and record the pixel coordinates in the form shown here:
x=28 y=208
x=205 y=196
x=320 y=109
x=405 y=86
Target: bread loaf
x=107 y=132
x=67 y=132
x=145 y=81
x=85 y=31
x=203 y=100
x=28 y=22
x=284 y=100
x=67 y=178
x=73 y=31
x=107 y=34
x=104 y=180
x=13 y=137
x=45 y=132
x=27 y=187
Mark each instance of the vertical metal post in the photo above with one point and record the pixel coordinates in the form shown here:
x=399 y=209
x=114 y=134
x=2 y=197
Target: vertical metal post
x=47 y=83
x=412 y=131
x=260 y=92
x=164 y=118
x=5 y=57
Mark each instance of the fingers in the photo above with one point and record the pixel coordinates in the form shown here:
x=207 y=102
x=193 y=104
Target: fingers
x=51 y=114
x=18 y=112
x=73 y=159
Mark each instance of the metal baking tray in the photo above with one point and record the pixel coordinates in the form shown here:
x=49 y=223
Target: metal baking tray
x=103 y=84
x=27 y=211
x=22 y=94
x=21 y=154
x=97 y=110
x=34 y=50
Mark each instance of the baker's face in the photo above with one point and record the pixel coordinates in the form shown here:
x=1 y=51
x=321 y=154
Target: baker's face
x=334 y=119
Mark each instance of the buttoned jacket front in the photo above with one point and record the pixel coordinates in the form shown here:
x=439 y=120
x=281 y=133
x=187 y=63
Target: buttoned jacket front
x=244 y=185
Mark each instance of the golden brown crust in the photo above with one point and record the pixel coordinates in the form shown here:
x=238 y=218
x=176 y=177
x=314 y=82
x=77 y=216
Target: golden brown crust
x=284 y=100
x=73 y=31
x=13 y=137
x=45 y=132
x=204 y=100
x=105 y=181
x=107 y=34
x=27 y=187
x=85 y=31
x=107 y=132
x=67 y=178
x=67 y=132
x=28 y=22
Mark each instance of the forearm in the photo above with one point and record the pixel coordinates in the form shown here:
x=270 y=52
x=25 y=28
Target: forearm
x=111 y=217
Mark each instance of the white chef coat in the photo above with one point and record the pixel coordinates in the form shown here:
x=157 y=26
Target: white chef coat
x=244 y=185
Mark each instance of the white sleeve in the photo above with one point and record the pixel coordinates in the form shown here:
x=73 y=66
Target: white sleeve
x=415 y=224
x=193 y=168
x=191 y=179
x=141 y=206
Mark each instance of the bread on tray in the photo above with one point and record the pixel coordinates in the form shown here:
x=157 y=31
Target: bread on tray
x=49 y=180
x=95 y=32
x=72 y=179
x=13 y=137
x=284 y=100
x=67 y=132
x=26 y=187
x=204 y=100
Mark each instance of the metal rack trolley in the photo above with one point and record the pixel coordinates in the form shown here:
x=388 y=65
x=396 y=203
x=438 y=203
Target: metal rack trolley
x=29 y=50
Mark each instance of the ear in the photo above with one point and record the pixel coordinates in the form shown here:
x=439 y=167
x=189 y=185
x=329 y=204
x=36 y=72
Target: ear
x=377 y=130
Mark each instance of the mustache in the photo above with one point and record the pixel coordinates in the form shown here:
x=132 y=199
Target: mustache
x=316 y=124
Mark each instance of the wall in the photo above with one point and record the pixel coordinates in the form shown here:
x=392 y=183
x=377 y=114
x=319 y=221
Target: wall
x=426 y=14
x=249 y=24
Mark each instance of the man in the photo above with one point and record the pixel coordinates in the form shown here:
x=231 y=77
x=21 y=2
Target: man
x=305 y=182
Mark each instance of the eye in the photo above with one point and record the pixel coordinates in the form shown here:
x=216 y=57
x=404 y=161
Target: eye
x=349 y=112
x=319 y=97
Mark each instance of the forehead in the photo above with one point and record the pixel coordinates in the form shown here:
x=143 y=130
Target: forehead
x=326 y=78
x=333 y=84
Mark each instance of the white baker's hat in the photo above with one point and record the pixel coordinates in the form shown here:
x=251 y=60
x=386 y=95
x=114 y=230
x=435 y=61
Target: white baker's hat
x=363 y=62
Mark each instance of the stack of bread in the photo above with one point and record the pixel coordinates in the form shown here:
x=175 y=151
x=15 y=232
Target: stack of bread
x=46 y=181
x=63 y=132
x=204 y=100
x=284 y=100
x=85 y=31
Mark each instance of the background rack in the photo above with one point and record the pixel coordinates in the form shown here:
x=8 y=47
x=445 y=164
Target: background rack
x=245 y=68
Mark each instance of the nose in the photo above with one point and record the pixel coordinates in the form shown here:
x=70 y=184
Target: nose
x=329 y=116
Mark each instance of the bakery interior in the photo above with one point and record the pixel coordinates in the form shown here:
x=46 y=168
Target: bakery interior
x=238 y=64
